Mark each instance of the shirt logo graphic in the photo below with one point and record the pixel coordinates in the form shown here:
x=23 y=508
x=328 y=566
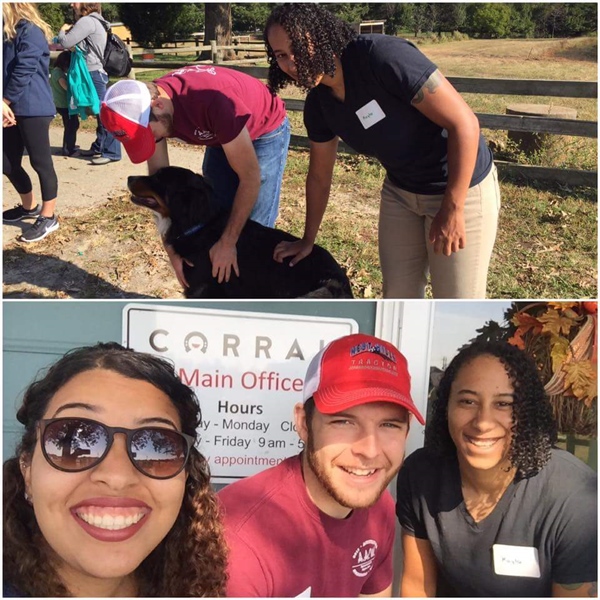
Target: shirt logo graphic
x=203 y=135
x=364 y=557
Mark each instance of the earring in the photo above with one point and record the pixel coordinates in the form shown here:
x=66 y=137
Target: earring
x=28 y=498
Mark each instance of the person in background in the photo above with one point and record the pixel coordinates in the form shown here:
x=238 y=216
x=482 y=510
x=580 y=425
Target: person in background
x=27 y=111
x=322 y=523
x=88 y=33
x=490 y=507
x=440 y=198
x=58 y=82
x=242 y=123
x=107 y=494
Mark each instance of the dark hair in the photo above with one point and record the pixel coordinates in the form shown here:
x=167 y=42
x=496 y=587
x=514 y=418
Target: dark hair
x=189 y=561
x=63 y=60
x=87 y=8
x=316 y=35
x=534 y=428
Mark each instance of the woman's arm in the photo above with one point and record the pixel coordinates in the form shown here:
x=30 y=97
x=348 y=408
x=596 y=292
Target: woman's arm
x=575 y=590
x=419 y=570
x=443 y=105
x=81 y=30
x=318 y=185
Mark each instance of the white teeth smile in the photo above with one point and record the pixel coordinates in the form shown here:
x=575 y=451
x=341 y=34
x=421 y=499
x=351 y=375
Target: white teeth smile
x=483 y=443
x=110 y=522
x=360 y=472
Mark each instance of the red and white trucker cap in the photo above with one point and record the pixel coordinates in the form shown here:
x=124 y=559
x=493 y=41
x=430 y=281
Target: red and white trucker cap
x=357 y=369
x=125 y=112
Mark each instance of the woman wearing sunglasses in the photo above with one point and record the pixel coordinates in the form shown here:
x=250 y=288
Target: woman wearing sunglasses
x=107 y=495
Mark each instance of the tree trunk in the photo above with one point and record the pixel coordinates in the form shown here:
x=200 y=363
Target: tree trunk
x=217 y=18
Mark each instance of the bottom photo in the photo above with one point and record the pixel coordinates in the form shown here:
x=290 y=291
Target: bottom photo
x=296 y=448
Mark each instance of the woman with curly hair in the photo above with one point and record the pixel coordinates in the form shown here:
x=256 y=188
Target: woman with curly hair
x=384 y=98
x=107 y=495
x=489 y=507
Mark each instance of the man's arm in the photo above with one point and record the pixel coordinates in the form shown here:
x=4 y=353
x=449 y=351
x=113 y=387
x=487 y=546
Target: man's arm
x=243 y=160
x=419 y=570
x=318 y=186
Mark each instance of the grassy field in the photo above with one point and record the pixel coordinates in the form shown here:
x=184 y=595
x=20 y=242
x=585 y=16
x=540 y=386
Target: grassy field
x=547 y=240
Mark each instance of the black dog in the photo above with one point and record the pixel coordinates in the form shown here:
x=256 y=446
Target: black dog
x=192 y=223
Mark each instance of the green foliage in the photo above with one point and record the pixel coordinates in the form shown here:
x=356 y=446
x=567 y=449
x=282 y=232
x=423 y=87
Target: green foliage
x=348 y=11
x=250 y=17
x=491 y=20
x=55 y=14
x=152 y=24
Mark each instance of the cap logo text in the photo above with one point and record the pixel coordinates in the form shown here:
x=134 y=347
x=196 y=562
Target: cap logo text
x=379 y=349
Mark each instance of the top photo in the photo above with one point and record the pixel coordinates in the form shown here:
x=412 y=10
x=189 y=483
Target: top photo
x=300 y=150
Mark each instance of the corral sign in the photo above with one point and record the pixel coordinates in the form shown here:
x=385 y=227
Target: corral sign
x=247 y=370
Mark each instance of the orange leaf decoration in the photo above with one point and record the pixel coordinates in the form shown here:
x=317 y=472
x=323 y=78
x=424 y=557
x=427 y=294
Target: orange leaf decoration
x=582 y=378
x=556 y=323
x=559 y=352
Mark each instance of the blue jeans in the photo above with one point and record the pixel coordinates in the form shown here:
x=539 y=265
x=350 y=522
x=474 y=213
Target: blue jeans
x=104 y=143
x=271 y=150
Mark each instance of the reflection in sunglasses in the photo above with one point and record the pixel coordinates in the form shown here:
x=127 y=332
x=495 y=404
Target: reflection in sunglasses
x=74 y=444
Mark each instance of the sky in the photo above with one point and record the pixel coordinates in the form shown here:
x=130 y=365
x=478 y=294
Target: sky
x=455 y=323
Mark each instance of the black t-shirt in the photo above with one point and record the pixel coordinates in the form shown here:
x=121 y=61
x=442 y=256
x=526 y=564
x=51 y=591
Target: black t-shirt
x=554 y=512
x=382 y=74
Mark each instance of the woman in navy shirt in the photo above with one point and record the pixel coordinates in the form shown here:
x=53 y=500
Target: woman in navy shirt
x=384 y=98
x=27 y=111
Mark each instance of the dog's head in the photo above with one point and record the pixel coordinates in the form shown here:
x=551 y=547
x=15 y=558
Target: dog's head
x=180 y=198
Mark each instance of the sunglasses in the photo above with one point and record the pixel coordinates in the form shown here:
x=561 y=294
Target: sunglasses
x=72 y=444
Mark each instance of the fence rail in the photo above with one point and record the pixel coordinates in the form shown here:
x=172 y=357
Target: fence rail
x=471 y=85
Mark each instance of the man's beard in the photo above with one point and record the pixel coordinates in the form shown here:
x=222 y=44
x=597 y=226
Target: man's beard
x=326 y=483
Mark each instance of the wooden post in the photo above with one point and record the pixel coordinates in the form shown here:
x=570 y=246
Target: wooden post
x=214 y=54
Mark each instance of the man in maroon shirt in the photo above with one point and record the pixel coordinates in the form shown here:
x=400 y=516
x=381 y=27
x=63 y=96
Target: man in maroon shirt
x=322 y=523
x=241 y=122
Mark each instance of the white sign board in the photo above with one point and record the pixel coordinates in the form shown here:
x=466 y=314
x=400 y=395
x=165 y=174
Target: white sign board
x=247 y=370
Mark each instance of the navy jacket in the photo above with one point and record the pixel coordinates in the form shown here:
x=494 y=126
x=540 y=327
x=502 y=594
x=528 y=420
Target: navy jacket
x=25 y=73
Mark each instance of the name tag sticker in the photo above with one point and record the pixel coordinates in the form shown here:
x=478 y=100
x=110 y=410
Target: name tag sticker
x=370 y=114
x=516 y=561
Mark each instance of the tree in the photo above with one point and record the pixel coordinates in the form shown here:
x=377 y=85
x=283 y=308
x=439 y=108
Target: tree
x=491 y=20
x=522 y=23
x=218 y=26
x=56 y=15
x=153 y=24
x=250 y=17
x=352 y=13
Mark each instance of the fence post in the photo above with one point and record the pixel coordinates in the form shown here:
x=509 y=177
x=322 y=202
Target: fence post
x=214 y=55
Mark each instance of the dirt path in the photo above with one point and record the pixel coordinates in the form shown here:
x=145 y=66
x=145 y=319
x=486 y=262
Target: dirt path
x=89 y=256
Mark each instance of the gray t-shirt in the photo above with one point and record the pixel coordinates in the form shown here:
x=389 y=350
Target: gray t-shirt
x=89 y=34
x=554 y=512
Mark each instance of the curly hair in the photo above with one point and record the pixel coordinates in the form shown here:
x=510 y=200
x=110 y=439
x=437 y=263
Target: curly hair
x=534 y=428
x=190 y=561
x=317 y=36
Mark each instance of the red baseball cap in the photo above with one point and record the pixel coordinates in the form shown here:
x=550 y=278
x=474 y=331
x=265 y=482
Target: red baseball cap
x=125 y=112
x=357 y=369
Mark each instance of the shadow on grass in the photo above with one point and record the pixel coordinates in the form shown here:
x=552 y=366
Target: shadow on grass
x=567 y=192
x=55 y=275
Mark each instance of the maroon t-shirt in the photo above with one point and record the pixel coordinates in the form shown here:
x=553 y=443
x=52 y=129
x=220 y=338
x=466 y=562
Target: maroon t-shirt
x=282 y=545
x=213 y=104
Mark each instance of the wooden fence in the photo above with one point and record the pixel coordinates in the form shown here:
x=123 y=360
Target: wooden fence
x=472 y=85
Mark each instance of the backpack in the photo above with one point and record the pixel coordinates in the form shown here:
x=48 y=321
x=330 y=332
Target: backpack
x=116 y=60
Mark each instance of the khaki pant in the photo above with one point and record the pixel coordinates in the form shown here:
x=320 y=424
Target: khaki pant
x=406 y=254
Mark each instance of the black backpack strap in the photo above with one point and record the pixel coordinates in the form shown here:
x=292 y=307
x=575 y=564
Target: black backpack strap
x=107 y=28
